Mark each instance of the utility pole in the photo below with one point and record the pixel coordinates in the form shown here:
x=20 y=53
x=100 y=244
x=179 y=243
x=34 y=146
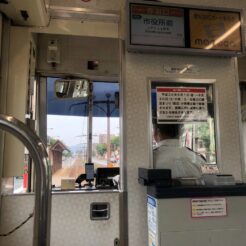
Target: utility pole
x=92 y=103
x=89 y=129
x=108 y=129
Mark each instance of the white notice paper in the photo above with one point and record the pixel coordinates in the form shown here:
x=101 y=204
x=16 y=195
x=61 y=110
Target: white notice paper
x=181 y=104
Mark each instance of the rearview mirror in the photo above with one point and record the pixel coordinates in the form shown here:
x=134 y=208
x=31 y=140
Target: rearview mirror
x=71 y=88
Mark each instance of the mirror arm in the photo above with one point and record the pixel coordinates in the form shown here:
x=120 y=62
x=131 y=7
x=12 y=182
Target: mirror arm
x=112 y=111
x=101 y=108
x=76 y=104
x=106 y=102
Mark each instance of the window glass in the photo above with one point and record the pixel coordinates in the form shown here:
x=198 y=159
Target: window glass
x=67 y=124
x=191 y=107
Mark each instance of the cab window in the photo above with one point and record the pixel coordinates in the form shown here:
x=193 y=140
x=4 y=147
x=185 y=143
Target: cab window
x=67 y=131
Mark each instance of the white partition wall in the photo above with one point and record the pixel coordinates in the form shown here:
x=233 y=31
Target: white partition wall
x=140 y=67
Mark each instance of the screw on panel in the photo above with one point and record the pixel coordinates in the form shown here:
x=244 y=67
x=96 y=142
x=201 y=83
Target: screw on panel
x=116 y=242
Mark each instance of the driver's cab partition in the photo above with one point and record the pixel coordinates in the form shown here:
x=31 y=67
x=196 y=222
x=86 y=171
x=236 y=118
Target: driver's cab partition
x=191 y=105
x=83 y=127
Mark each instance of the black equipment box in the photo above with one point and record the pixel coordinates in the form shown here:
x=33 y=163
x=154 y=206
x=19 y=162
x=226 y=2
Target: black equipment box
x=156 y=177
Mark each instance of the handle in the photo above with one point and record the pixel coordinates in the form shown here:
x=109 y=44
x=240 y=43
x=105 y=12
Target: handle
x=38 y=152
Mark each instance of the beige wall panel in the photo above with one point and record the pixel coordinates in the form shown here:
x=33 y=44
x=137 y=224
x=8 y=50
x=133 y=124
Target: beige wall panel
x=16 y=97
x=138 y=68
x=70 y=220
x=76 y=51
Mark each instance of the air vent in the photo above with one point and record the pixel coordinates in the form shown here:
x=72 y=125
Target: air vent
x=59 y=12
x=24 y=14
x=4 y=1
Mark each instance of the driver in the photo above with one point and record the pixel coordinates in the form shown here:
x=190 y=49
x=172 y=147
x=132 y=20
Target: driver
x=169 y=154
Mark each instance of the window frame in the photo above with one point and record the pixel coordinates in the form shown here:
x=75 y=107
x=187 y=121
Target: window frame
x=42 y=115
x=172 y=80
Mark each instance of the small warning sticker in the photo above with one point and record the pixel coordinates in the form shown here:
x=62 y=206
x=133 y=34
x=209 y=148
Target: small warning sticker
x=208 y=207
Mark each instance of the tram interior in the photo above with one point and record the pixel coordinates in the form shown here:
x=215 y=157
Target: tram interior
x=68 y=72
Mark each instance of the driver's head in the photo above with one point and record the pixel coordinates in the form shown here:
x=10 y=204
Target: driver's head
x=165 y=131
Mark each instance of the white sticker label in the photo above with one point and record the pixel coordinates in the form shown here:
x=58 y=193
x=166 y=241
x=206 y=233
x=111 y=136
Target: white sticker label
x=208 y=207
x=185 y=69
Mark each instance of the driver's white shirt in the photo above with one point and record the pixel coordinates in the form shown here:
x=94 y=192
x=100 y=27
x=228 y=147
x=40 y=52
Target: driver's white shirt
x=183 y=162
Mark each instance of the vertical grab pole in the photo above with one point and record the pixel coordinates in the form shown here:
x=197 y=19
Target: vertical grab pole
x=42 y=213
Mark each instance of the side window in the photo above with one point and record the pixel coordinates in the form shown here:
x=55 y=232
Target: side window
x=243 y=113
x=67 y=131
x=189 y=106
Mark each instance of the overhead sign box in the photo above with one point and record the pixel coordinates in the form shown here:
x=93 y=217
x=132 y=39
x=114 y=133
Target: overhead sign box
x=158 y=27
